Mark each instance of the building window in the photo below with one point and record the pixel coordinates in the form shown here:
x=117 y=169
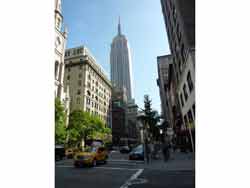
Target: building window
x=190 y=116
x=80 y=67
x=58 y=22
x=179 y=65
x=80 y=75
x=193 y=107
x=185 y=92
x=78 y=92
x=190 y=82
x=68 y=77
x=67 y=53
x=92 y=104
x=69 y=69
x=183 y=53
x=182 y=101
x=88 y=100
x=88 y=85
x=89 y=77
x=77 y=100
x=79 y=82
x=88 y=92
x=96 y=98
x=185 y=120
x=56 y=68
x=88 y=109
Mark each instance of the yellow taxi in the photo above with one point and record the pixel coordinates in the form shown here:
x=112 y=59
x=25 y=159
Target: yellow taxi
x=91 y=156
x=69 y=153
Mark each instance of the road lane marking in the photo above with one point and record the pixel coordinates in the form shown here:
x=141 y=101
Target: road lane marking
x=124 y=160
x=132 y=178
x=107 y=168
x=115 y=168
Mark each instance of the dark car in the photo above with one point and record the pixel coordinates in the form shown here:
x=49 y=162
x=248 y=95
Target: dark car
x=124 y=149
x=137 y=153
x=59 y=152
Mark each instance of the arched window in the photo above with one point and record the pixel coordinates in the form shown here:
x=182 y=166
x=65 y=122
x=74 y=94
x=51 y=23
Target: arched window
x=56 y=69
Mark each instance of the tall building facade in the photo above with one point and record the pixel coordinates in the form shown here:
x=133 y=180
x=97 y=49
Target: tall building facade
x=60 y=44
x=61 y=92
x=179 y=16
x=131 y=119
x=119 y=127
x=120 y=60
x=89 y=86
x=163 y=65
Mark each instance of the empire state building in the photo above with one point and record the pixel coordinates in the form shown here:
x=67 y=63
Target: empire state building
x=120 y=60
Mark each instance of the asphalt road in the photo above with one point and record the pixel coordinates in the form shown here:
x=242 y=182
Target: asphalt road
x=119 y=173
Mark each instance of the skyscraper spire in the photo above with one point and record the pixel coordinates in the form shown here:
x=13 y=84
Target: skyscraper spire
x=119 y=27
x=120 y=61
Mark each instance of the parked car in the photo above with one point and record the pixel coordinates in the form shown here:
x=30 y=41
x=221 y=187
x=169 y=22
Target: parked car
x=91 y=156
x=124 y=149
x=59 y=152
x=137 y=153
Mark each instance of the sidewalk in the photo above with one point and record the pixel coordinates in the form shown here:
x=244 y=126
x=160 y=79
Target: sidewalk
x=178 y=162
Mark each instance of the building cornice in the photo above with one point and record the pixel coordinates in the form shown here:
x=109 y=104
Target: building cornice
x=87 y=61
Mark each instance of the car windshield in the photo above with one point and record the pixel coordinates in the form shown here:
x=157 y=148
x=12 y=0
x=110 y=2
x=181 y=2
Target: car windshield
x=90 y=149
x=138 y=148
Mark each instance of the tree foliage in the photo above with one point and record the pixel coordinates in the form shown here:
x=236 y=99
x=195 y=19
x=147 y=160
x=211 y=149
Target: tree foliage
x=83 y=125
x=60 y=122
x=151 y=118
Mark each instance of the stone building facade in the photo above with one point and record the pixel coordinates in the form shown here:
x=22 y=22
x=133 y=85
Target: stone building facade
x=179 y=16
x=89 y=86
x=163 y=64
x=61 y=91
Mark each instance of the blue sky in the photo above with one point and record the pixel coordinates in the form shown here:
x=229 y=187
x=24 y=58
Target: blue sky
x=94 y=23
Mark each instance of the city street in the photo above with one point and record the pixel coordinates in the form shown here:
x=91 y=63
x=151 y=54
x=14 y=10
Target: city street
x=121 y=173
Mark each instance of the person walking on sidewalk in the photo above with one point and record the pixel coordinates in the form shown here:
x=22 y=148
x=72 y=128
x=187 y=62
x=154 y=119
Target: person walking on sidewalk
x=165 y=150
x=147 y=152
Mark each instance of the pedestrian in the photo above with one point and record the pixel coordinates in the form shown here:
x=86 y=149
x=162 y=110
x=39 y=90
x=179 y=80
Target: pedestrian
x=151 y=150
x=147 y=152
x=165 y=150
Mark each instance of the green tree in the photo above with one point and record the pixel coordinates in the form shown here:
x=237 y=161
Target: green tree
x=83 y=125
x=78 y=122
x=151 y=118
x=60 y=122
